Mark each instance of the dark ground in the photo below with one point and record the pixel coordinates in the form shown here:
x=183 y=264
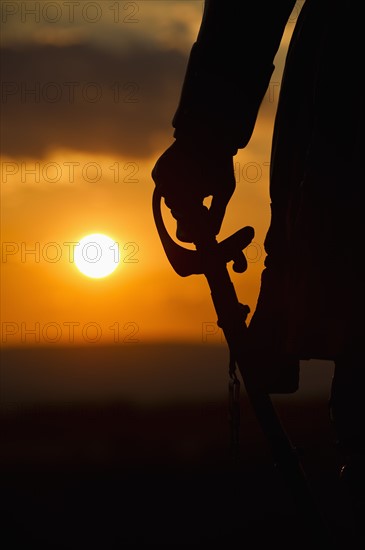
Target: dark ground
x=117 y=477
x=112 y=474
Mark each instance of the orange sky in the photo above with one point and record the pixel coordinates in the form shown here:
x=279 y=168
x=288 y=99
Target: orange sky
x=87 y=103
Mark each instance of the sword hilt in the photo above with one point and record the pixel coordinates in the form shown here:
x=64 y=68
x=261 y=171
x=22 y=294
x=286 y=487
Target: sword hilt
x=189 y=262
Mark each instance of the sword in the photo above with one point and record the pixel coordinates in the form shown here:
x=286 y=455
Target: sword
x=210 y=259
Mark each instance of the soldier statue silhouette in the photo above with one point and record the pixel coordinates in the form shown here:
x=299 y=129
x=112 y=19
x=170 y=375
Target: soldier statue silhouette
x=311 y=299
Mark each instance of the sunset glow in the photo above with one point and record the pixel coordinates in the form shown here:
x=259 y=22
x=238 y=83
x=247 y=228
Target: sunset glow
x=100 y=128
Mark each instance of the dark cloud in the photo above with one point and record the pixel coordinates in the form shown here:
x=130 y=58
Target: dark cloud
x=88 y=99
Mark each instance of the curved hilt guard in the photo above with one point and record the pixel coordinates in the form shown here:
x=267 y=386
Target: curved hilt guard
x=190 y=262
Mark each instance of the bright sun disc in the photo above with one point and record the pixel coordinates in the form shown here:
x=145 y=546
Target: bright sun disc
x=96 y=255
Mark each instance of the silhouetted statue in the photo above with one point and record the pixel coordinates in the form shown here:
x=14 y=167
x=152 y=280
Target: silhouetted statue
x=311 y=300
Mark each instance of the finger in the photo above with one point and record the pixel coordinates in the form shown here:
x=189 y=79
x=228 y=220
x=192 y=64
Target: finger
x=191 y=222
x=217 y=210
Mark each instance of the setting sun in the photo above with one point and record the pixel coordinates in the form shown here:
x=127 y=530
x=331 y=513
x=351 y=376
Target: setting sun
x=96 y=255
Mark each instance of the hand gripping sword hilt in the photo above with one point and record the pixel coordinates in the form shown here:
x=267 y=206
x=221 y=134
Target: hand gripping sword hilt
x=187 y=262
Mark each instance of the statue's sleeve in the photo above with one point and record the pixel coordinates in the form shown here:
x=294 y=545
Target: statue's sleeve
x=229 y=70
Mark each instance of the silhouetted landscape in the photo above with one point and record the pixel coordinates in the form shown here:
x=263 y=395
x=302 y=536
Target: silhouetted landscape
x=257 y=107
x=124 y=447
